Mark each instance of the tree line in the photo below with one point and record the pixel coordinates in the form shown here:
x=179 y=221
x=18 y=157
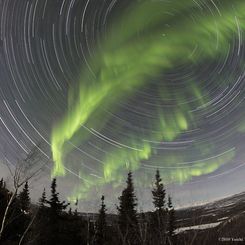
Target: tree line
x=52 y=222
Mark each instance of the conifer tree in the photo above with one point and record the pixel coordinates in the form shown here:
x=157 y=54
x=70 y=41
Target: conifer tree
x=101 y=224
x=127 y=213
x=54 y=234
x=20 y=214
x=41 y=223
x=2 y=184
x=158 y=218
x=42 y=200
x=24 y=199
x=158 y=193
x=4 y=196
x=171 y=219
x=56 y=206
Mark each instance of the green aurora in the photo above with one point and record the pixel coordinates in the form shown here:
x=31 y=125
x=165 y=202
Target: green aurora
x=140 y=46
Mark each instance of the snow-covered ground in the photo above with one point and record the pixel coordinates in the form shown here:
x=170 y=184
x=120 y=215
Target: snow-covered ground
x=211 y=213
x=197 y=227
x=223 y=218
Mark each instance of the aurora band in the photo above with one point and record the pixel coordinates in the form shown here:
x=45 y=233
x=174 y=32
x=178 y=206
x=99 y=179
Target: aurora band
x=138 y=47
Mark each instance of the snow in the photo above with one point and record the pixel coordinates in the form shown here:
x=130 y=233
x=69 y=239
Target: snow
x=223 y=218
x=197 y=227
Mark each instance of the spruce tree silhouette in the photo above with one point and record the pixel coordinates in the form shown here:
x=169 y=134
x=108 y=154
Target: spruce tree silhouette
x=24 y=199
x=100 y=233
x=42 y=200
x=171 y=221
x=56 y=206
x=127 y=213
x=158 y=192
x=54 y=218
x=159 y=217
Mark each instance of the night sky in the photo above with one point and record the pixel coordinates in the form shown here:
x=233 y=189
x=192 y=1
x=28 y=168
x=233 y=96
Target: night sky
x=102 y=87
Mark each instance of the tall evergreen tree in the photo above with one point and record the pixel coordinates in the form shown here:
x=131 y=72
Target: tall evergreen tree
x=127 y=213
x=9 y=232
x=24 y=199
x=42 y=200
x=158 y=192
x=20 y=215
x=171 y=220
x=21 y=212
x=159 y=217
x=54 y=222
x=2 y=184
x=41 y=227
x=100 y=235
x=56 y=206
x=4 y=197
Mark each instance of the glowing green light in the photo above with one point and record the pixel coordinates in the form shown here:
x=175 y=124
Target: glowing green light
x=125 y=62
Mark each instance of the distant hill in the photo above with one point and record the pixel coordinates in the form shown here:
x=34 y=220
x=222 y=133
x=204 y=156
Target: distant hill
x=212 y=223
x=222 y=221
x=214 y=212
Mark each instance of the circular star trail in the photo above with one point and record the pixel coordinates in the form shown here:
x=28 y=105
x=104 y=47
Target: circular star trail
x=104 y=87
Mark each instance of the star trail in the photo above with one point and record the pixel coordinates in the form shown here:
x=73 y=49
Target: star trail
x=104 y=87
